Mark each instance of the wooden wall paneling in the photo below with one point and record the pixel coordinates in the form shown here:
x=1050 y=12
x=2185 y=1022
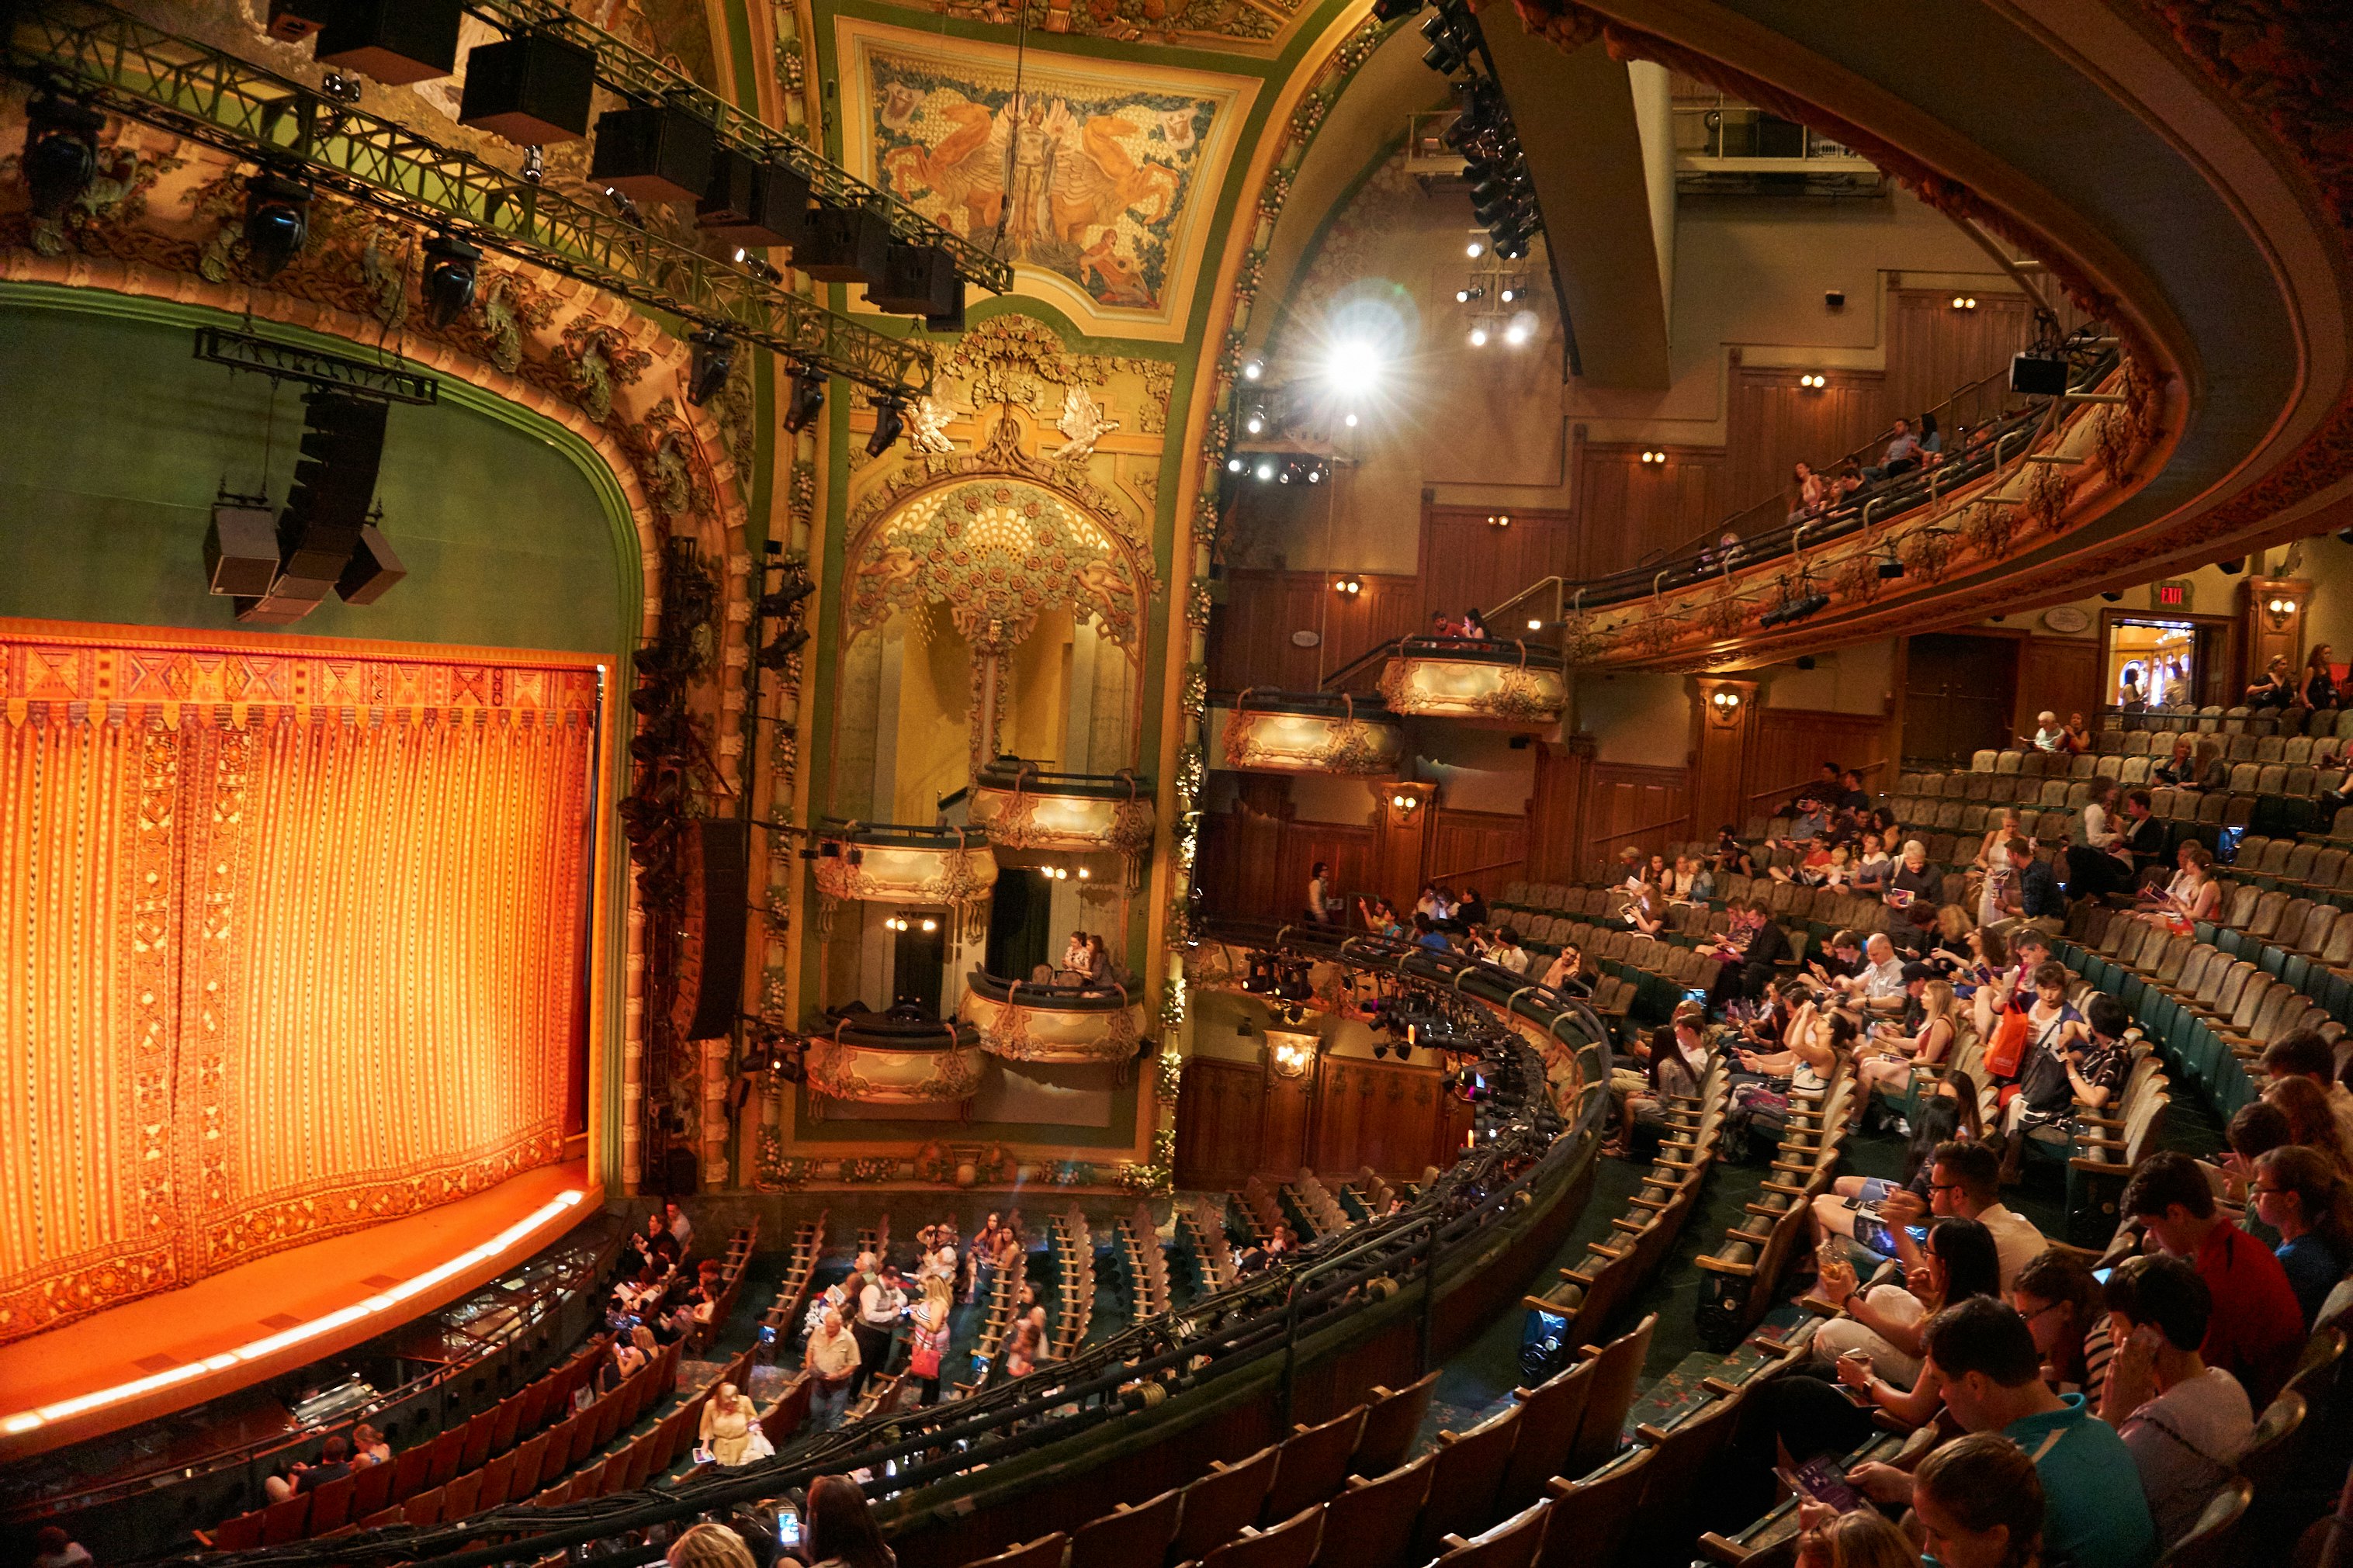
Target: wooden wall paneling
x=1218 y=1112
x=1628 y=509
x=2061 y=674
x=1454 y=1128
x=1285 y=1124
x=1347 y=848
x=1933 y=350
x=1721 y=748
x=1250 y=631
x=1388 y=608
x=1792 y=743
x=1557 y=822
x=1775 y=422
x=1401 y=854
x=1467 y=846
x=1648 y=807
x=1469 y=563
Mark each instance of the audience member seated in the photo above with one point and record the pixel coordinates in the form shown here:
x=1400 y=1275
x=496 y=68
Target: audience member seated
x=2318 y=687
x=2185 y=1422
x=1914 y=890
x=1888 y=1060
x=53 y=1548
x=368 y=1447
x=842 y=1529
x=1965 y=1181
x=2194 y=894
x=1473 y=909
x=2180 y=768
x=1902 y=456
x=1813 y=491
x=1872 y=866
x=1983 y=1356
x=2031 y=896
x=1647 y=911
x=2075 y=1058
x=2061 y=1300
x=2048 y=735
x=2310 y=1120
x=1978 y=1503
x=1878 y=987
x=1509 y=954
x=2103 y=854
x=2079 y=734
x=2305 y=1054
x=1878 y=1342
x=2256 y=1329
x=1568 y=973
x=1678 y=1059
x=2303 y=1196
x=709 y=1545
x=657 y=1248
x=1851 y=1207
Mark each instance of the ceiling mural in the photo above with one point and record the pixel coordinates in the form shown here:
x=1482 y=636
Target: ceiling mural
x=1251 y=27
x=1096 y=185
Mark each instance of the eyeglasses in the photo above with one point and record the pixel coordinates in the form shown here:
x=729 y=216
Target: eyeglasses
x=1944 y=1186
x=2046 y=1307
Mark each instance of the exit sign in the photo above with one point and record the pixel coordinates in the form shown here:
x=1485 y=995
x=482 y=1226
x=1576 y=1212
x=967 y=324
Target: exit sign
x=2172 y=595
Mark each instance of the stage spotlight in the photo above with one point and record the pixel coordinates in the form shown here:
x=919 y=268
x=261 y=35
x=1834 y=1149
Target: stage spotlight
x=890 y=418
x=1265 y=471
x=1252 y=368
x=1476 y=249
x=1351 y=423
x=276 y=221
x=1235 y=465
x=451 y=267
x=806 y=402
x=1256 y=423
x=1354 y=364
x=1315 y=476
x=1522 y=328
x=1478 y=337
x=789 y=641
x=796 y=588
x=61 y=152
x=715 y=356
x=1448 y=50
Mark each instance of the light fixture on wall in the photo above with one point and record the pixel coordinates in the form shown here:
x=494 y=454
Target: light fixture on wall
x=1290 y=1054
x=2280 y=609
x=1965 y=302
x=1813 y=380
x=1652 y=456
x=1499 y=520
x=1406 y=804
x=1349 y=587
x=895 y=922
x=1724 y=705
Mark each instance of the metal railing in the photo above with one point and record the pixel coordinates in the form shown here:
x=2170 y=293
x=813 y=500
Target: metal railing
x=115 y=62
x=1212 y=1341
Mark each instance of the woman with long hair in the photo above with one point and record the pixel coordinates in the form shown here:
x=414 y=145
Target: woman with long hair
x=2319 y=688
x=2064 y=1309
x=1646 y=912
x=841 y=1528
x=2299 y=1193
x=1888 y=1062
x=2311 y=1120
x=928 y=1339
x=2193 y=895
x=727 y=1425
x=1980 y=1501
x=1858 y=1540
x=1881 y=1342
x=709 y=1546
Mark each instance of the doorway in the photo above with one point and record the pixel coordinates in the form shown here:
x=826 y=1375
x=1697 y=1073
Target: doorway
x=2173 y=661
x=1019 y=915
x=919 y=957
x=1957 y=692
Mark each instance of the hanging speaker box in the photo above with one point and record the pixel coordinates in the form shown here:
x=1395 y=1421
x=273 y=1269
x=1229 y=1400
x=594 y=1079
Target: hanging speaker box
x=242 y=551
x=396 y=42
x=846 y=244
x=653 y=152
x=753 y=203
x=2038 y=375
x=950 y=319
x=298 y=21
x=915 y=279
x=533 y=90
x=373 y=571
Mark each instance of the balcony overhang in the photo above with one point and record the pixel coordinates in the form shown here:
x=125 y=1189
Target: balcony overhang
x=1310 y=732
x=1498 y=685
x=1052 y=1024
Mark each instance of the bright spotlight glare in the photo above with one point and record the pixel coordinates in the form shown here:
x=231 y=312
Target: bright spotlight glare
x=1478 y=337
x=1253 y=369
x=1474 y=250
x=1354 y=364
x=1233 y=464
x=1351 y=422
x=1266 y=470
x=1255 y=424
x=1515 y=334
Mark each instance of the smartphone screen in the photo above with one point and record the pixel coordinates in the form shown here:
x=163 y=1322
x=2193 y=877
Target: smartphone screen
x=2102 y=1274
x=1821 y=1480
x=788 y=1525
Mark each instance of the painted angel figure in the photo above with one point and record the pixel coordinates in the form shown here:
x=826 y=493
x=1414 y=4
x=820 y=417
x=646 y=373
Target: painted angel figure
x=927 y=424
x=1082 y=423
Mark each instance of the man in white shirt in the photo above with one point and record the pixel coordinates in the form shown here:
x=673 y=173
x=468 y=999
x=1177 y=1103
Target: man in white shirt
x=2186 y=1423
x=1964 y=1182
x=880 y=1306
x=1879 y=988
x=681 y=1229
x=1509 y=953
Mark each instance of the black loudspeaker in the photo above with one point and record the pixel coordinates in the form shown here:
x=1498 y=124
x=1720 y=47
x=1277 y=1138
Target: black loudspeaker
x=2038 y=375
x=846 y=244
x=395 y=41
x=298 y=21
x=343 y=446
x=719 y=892
x=533 y=89
x=242 y=551
x=751 y=203
x=373 y=571
x=653 y=152
x=915 y=280
x=952 y=319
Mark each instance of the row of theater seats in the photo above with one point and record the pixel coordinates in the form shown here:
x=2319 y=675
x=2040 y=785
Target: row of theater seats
x=1074 y=1280
x=1745 y=1270
x=1574 y=1310
x=1147 y=1264
x=1201 y=1221
x=1342 y=1494
x=2165 y=722
x=783 y=1318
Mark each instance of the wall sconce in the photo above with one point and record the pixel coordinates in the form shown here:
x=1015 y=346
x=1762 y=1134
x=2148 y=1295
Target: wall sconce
x=1724 y=705
x=1499 y=520
x=1406 y=804
x=1349 y=587
x=1813 y=379
x=1291 y=1055
x=1965 y=302
x=2280 y=610
x=1654 y=456
x=1055 y=873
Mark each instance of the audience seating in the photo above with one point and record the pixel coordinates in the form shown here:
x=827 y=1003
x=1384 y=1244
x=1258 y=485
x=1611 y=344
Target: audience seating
x=1392 y=1420
x=1147 y=1264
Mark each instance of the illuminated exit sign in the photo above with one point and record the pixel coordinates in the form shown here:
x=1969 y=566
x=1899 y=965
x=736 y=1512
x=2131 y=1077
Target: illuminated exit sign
x=2172 y=595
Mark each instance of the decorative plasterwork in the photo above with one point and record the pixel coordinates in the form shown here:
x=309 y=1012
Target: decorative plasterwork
x=1507 y=693
x=1268 y=741
x=1026 y=819
x=956 y=875
x=1099 y=182
x=1240 y=26
x=1034 y=1029
x=877 y=1075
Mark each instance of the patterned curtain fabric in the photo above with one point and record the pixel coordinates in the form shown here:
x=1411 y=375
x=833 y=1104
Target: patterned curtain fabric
x=290 y=945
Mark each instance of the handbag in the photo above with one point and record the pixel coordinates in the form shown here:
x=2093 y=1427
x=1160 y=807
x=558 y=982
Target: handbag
x=2007 y=1047
x=925 y=1360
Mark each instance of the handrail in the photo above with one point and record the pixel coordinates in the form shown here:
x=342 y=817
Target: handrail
x=1792 y=788
x=1519 y=859
x=1218 y=1339
x=1637 y=832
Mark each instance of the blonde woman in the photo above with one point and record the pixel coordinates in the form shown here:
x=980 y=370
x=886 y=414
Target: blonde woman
x=2193 y=895
x=1887 y=1062
x=1989 y=873
x=928 y=1340
x=727 y=1425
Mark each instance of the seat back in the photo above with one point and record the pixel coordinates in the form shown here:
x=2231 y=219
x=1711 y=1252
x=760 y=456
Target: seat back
x=1219 y=1504
x=1510 y=1544
x=1464 y=1480
x=410 y=1467
x=1046 y=1551
x=1127 y=1537
x=331 y=1505
x=285 y=1521
x=1290 y=1544
x=1551 y=1413
x=371 y=1489
x=1603 y=1424
x=2210 y=1543
x=461 y=1496
x=1392 y=1420
x=1685 y=1450
x=1592 y=1514
x=1370 y=1524
x=1314 y=1463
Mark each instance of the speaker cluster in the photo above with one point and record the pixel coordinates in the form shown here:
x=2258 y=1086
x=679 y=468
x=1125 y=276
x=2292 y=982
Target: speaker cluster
x=325 y=540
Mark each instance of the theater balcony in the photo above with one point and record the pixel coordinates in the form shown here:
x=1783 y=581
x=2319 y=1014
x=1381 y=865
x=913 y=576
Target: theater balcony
x=878 y=1058
x=1034 y=816
x=1501 y=683
x=1067 y=1024
x=1310 y=732
x=884 y=863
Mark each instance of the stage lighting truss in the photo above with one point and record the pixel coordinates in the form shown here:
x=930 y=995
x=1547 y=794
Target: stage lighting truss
x=115 y=63
x=1282 y=429
x=286 y=362
x=1494 y=170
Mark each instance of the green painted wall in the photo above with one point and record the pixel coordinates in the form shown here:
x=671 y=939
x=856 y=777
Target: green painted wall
x=116 y=438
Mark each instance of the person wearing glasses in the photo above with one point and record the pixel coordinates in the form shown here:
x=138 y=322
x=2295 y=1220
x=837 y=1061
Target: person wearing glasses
x=2301 y=1194
x=1964 y=1182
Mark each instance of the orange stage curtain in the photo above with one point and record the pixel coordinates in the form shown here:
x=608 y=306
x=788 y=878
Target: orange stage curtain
x=278 y=965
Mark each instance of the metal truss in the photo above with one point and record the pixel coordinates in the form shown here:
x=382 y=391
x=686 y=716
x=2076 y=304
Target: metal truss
x=115 y=62
x=641 y=77
x=290 y=361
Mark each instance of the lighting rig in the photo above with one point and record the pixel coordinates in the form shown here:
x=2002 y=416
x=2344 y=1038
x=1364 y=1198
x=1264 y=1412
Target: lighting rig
x=1503 y=197
x=1285 y=431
